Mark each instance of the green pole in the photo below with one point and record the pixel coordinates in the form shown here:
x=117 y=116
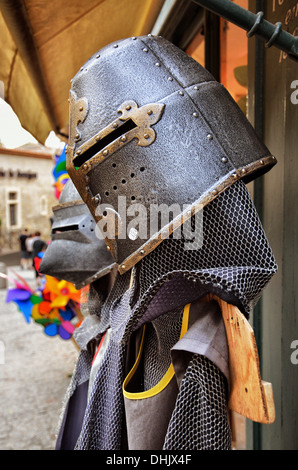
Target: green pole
x=258 y=196
x=254 y=24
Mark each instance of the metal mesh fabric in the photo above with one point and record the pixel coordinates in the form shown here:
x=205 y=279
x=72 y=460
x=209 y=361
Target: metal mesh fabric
x=97 y=309
x=161 y=335
x=235 y=262
x=80 y=374
x=199 y=421
x=96 y=322
x=103 y=424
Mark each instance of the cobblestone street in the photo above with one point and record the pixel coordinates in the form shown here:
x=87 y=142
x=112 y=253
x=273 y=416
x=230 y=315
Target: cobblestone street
x=35 y=371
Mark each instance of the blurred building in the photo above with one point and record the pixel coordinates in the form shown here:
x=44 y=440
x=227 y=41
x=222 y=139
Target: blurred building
x=26 y=193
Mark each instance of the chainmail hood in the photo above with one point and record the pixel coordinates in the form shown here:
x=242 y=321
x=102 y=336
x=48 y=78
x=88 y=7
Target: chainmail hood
x=234 y=260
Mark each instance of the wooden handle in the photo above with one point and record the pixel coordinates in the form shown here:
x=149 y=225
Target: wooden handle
x=249 y=395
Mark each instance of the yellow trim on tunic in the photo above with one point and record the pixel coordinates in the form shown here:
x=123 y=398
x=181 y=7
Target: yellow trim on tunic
x=161 y=385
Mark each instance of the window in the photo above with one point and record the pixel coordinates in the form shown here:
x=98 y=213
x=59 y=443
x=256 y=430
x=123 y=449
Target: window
x=196 y=48
x=13 y=209
x=233 y=59
x=43 y=205
x=228 y=46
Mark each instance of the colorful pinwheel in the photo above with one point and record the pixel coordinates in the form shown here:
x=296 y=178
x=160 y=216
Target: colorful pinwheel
x=60 y=292
x=55 y=306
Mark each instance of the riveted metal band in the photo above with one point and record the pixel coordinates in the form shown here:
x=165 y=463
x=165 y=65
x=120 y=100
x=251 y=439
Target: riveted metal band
x=94 y=277
x=65 y=205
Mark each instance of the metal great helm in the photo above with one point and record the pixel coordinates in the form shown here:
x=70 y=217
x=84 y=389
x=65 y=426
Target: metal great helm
x=150 y=126
x=75 y=253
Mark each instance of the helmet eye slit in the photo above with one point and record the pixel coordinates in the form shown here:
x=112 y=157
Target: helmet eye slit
x=67 y=228
x=104 y=142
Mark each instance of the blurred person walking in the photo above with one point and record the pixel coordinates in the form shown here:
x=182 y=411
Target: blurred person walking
x=24 y=254
x=29 y=246
x=38 y=247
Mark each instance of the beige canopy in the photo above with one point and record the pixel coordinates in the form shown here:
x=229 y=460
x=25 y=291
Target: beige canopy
x=44 y=43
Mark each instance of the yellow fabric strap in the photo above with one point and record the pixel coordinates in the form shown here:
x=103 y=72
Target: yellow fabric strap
x=168 y=375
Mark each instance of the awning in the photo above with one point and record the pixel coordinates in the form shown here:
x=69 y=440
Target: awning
x=44 y=43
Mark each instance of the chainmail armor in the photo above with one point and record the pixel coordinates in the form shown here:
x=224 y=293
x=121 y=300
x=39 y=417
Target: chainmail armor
x=199 y=421
x=161 y=335
x=235 y=262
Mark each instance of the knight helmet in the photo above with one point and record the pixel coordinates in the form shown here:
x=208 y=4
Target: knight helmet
x=76 y=253
x=149 y=126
